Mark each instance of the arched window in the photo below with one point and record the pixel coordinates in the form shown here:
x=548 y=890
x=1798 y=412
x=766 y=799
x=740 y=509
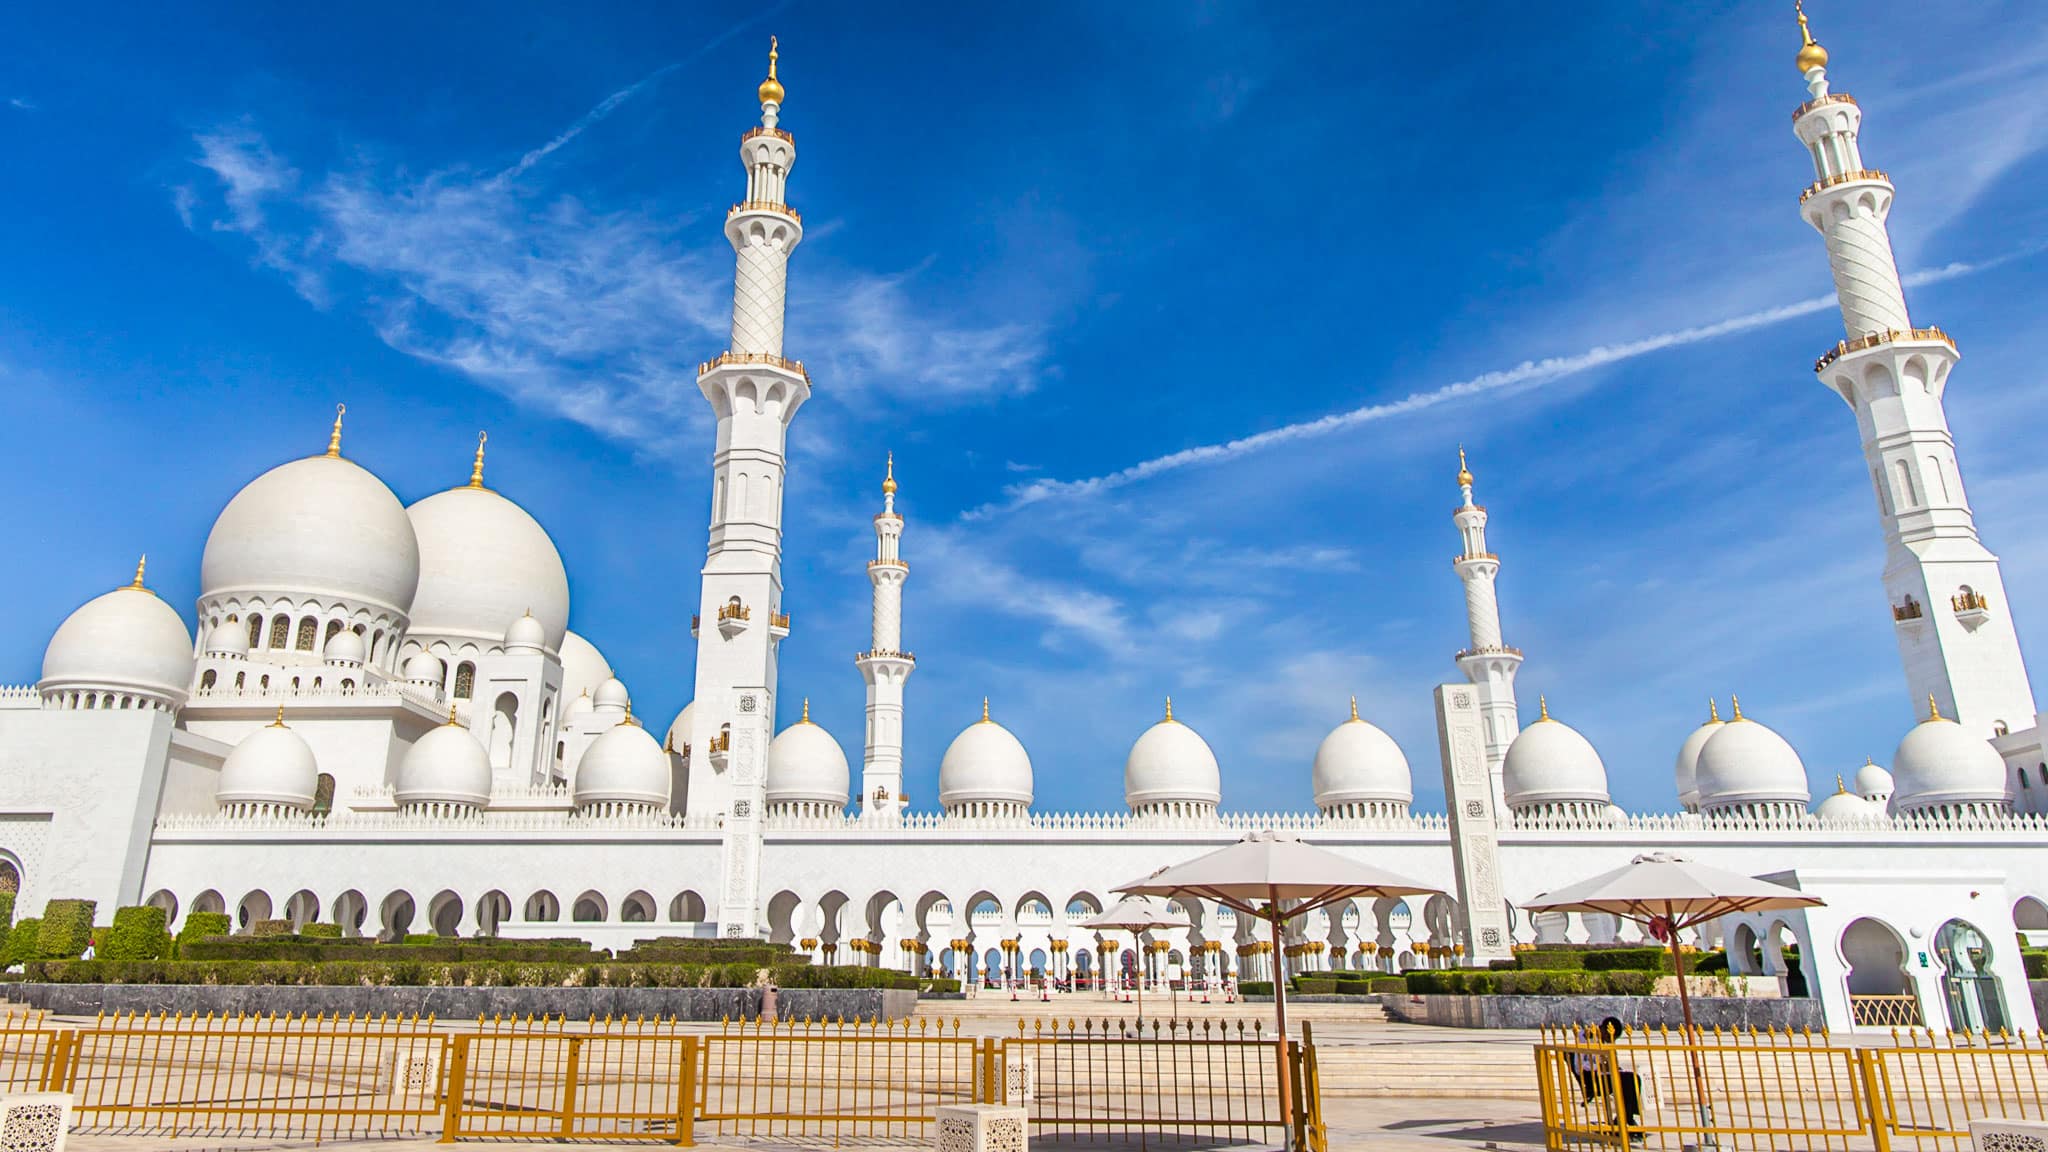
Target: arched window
x=255 y=631
x=241 y=680
x=323 y=794
x=348 y=685
x=309 y=630
x=207 y=678
x=264 y=684
x=280 y=631
x=2023 y=779
x=465 y=680
x=333 y=626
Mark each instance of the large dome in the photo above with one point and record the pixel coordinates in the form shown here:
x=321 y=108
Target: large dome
x=583 y=667
x=623 y=766
x=1940 y=762
x=1550 y=763
x=1746 y=763
x=483 y=562
x=321 y=526
x=272 y=765
x=1357 y=763
x=445 y=766
x=1686 y=773
x=679 y=729
x=807 y=766
x=985 y=764
x=126 y=641
x=1171 y=764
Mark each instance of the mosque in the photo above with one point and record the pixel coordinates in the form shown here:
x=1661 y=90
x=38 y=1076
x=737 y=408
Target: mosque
x=385 y=722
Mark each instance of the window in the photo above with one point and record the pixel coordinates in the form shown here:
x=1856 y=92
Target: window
x=241 y=680
x=280 y=631
x=465 y=680
x=309 y=629
x=323 y=794
x=2023 y=779
x=207 y=678
x=255 y=631
x=333 y=626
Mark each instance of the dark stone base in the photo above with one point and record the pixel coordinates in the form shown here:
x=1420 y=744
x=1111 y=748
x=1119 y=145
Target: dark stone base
x=466 y=1003
x=1634 y=1011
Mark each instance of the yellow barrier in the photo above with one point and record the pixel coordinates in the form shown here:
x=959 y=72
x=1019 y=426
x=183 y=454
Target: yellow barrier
x=840 y=1080
x=1190 y=1079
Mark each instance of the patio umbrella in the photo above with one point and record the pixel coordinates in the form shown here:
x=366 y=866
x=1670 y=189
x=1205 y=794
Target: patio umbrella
x=1273 y=876
x=1136 y=914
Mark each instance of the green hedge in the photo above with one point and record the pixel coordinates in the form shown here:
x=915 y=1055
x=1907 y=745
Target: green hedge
x=1312 y=985
x=1551 y=959
x=138 y=934
x=1708 y=962
x=1394 y=984
x=1629 y=960
x=270 y=928
x=198 y=926
x=319 y=931
x=938 y=984
x=1255 y=987
x=67 y=928
x=1534 y=982
x=6 y=912
x=412 y=973
x=24 y=942
x=319 y=950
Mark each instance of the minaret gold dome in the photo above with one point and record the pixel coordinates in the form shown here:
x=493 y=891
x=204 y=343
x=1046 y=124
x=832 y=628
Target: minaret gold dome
x=1811 y=54
x=1464 y=473
x=771 y=88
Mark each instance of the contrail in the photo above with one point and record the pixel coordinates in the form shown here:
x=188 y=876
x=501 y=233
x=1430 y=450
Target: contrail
x=606 y=106
x=1527 y=372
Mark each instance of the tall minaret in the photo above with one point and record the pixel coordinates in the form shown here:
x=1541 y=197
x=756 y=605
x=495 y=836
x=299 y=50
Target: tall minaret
x=1489 y=663
x=885 y=666
x=754 y=393
x=1948 y=602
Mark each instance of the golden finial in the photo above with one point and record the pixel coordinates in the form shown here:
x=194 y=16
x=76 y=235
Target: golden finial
x=1840 y=788
x=1933 y=709
x=476 y=469
x=279 y=722
x=1354 y=709
x=984 y=711
x=1169 y=711
x=140 y=564
x=334 y=437
x=1543 y=707
x=629 y=715
x=1713 y=711
x=1735 y=705
x=1464 y=473
x=771 y=88
x=889 y=480
x=452 y=721
x=1811 y=54
x=806 y=718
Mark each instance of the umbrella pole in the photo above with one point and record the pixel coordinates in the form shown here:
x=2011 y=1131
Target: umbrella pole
x=1280 y=1012
x=1692 y=1039
x=1138 y=948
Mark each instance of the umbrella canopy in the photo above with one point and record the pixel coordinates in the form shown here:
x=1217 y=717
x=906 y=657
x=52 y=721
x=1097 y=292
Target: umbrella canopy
x=1137 y=914
x=1274 y=866
x=1660 y=886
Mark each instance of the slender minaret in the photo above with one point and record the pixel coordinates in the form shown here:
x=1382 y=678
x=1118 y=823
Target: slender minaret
x=885 y=666
x=1948 y=602
x=1489 y=663
x=754 y=393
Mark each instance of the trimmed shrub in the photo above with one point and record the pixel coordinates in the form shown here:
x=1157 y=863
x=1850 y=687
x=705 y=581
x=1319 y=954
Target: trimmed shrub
x=423 y=939
x=1255 y=987
x=1312 y=985
x=137 y=934
x=2037 y=964
x=413 y=973
x=1550 y=959
x=319 y=931
x=1707 y=962
x=270 y=928
x=6 y=911
x=1628 y=960
x=938 y=984
x=67 y=929
x=24 y=942
x=1394 y=984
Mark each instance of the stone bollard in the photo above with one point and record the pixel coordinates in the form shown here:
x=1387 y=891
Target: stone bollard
x=768 y=1006
x=38 y=1121
x=981 y=1128
x=1990 y=1134
x=408 y=1074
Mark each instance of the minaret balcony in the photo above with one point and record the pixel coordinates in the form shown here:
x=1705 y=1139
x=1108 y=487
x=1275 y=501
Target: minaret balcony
x=1853 y=176
x=1876 y=339
x=795 y=367
x=1971 y=607
x=778 y=624
x=1907 y=612
x=778 y=133
x=1491 y=652
x=721 y=750
x=696 y=620
x=899 y=565
x=746 y=206
x=734 y=619
x=1822 y=102
x=878 y=655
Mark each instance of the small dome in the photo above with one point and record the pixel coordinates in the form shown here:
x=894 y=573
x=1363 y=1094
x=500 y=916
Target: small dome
x=272 y=765
x=446 y=766
x=583 y=666
x=623 y=766
x=580 y=706
x=612 y=694
x=1550 y=763
x=126 y=640
x=678 y=729
x=425 y=667
x=484 y=561
x=1686 y=773
x=1747 y=763
x=1171 y=764
x=1873 y=782
x=1845 y=807
x=985 y=764
x=1357 y=763
x=525 y=635
x=1616 y=814
x=1941 y=762
x=344 y=647
x=321 y=526
x=228 y=638
x=806 y=765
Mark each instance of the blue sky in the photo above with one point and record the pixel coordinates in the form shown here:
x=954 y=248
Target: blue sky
x=1063 y=260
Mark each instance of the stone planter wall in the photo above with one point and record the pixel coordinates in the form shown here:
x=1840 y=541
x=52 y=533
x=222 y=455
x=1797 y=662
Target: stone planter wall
x=1537 y=1011
x=465 y=1003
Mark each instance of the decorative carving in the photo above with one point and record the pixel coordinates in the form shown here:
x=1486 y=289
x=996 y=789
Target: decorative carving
x=743 y=808
x=1491 y=937
x=1475 y=809
x=749 y=702
x=2005 y=1142
x=32 y=1126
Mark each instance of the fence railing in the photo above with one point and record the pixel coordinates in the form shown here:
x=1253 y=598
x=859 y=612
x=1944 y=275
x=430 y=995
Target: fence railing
x=1188 y=1079
x=1776 y=1090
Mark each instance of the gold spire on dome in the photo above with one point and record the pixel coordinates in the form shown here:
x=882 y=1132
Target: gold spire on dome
x=771 y=88
x=1735 y=704
x=984 y=711
x=1543 y=706
x=806 y=717
x=1841 y=789
x=452 y=721
x=1713 y=711
x=1811 y=54
x=140 y=564
x=279 y=722
x=1169 y=712
x=1933 y=710
x=334 y=437
x=1354 y=710
x=476 y=468
x=1464 y=473
x=889 y=479
x=629 y=715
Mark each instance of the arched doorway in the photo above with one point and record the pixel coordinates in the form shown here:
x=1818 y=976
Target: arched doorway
x=1880 y=992
x=1975 y=1002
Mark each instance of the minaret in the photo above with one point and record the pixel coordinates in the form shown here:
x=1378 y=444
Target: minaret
x=1489 y=663
x=754 y=393
x=1948 y=602
x=885 y=666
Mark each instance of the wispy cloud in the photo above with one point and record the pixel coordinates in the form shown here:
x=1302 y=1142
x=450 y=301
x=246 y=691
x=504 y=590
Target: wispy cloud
x=1527 y=374
x=22 y=103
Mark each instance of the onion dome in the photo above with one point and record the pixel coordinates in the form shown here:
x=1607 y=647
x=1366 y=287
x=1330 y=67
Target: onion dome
x=1943 y=766
x=1845 y=807
x=1170 y=770
x=424 y=668
x=525 y=635
x=1811 y=54
x=344 y=647
x=445 y=766
x=678 y=728
x=484 y=561
x=1746 y=769
x=623 y=766
x=272 y=765
x=321 y=527
x=611 y=696
x=985 y=771
x=1552 y=771
x=1686 y=773
x=583 y=666
x=581 y=705
x=127 y=643
x=228 y=638
x=770 y=90
x=1360 y=771
x=1873 y=782
x=807 y=767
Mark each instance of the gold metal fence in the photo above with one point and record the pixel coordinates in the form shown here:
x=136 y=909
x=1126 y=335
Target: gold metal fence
x=839 y=1080
x=1206 y=1080
x=627 y=1083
